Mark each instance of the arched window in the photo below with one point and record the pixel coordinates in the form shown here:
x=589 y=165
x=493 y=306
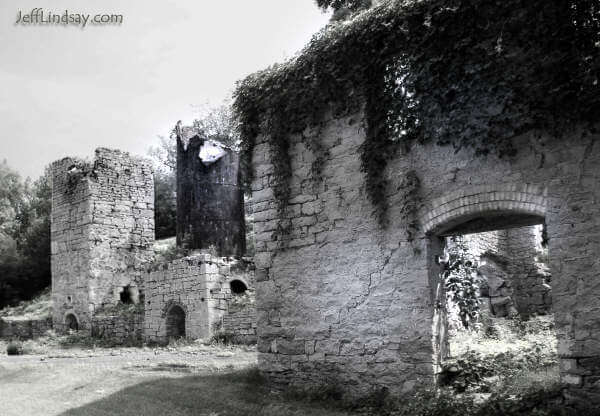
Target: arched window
x=238 y=287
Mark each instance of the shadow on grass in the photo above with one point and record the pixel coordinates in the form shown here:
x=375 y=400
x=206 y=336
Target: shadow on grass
x=173 y=367
x=244 y=392
x=231 y=394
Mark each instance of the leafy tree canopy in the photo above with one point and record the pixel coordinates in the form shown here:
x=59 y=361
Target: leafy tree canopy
x=24 y=235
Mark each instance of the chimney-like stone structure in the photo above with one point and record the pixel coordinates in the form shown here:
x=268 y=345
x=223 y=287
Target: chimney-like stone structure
x=101 y=234
x=210 y=198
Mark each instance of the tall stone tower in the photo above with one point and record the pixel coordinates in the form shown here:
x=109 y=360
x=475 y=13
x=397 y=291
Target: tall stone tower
x=102 y=234
x=210 y=198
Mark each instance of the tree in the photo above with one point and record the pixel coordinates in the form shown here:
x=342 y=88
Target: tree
x=34 y=240
x=24 y=235
x=336 y=5
x=343 y=9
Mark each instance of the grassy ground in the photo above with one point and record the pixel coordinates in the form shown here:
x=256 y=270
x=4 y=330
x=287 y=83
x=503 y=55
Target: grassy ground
x=184 y=379
x=510 y=371
x=508 y=355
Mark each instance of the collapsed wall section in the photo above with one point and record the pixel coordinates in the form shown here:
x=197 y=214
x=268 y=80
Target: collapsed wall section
x=200 y=286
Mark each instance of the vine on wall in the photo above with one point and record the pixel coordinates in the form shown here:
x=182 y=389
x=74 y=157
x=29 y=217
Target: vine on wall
x=466 y=73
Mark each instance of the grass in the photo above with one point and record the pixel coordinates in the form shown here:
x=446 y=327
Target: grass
x=192 y=378
x=39 y=307
x=237 y=393
x=510 y=369
x=14 y=348
x=508 y=356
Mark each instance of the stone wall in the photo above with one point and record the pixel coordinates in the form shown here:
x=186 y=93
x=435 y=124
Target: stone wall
x=529 y=275
x=101 y=234
x=70 y=246
x=200 y=285
x=239 y=323
x=340 y=298
x=24 y=328
x=513 y=256
x=119 y=327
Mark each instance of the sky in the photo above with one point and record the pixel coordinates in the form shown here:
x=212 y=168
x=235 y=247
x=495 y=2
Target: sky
x=66 y=89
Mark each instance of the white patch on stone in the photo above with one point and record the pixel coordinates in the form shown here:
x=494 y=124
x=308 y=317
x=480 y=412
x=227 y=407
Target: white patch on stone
x=210 y=152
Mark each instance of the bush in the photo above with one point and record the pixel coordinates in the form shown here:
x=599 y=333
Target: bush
x=14 y=348
x=224 y=337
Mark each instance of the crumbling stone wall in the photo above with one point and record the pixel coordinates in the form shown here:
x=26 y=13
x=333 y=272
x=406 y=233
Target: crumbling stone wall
x=24 y=328
x=121 y=325
x=340 y=298
x=528 y=271
x=102 y=232
x=512 y=261
x=239 y=323
x=200 y=285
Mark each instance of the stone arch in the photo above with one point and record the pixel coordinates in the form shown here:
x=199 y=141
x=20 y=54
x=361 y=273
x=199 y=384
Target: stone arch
x=485 y=208
x=473 y=209
x=71 y=321
x=175 y=320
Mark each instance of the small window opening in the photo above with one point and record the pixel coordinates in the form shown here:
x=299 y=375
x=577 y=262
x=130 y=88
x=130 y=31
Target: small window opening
x=69 y=299
x=125 y=295
x=238 y=287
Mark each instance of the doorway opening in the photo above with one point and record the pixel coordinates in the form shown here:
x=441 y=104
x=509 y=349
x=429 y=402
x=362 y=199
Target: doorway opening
x=71 y=322
x=495 y=325
x=175 y=322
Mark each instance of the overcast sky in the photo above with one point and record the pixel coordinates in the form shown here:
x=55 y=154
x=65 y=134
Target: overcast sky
x=65 y=90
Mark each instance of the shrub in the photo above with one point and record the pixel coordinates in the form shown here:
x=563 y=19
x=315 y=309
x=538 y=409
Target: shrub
x=14 y=348
x=223 y=337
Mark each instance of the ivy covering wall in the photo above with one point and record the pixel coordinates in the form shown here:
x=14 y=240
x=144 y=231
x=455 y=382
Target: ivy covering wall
x=465 y=73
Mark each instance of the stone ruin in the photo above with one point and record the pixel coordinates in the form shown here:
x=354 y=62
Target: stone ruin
x=210 y=200
x=102 y=231
x=515 y=279
x=339 y=298
x=104 y=279
x=342 y=300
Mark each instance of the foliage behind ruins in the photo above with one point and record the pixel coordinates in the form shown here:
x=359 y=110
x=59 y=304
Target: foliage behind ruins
x=466 y=73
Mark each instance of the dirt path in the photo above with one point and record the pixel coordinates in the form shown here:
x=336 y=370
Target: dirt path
x=55 y=382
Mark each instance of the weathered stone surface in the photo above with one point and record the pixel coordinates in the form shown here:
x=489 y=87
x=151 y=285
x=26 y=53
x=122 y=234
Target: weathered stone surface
x=344 y=279
x=102 y=233
x=210 y=201
x=24 y=328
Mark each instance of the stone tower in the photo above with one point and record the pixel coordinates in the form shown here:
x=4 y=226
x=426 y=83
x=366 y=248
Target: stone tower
x=210 y=198
x=102 y=234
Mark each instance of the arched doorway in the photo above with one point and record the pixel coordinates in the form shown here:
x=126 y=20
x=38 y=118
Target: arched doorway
x=175 y=322
x=470 y=219
x=71 y=322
